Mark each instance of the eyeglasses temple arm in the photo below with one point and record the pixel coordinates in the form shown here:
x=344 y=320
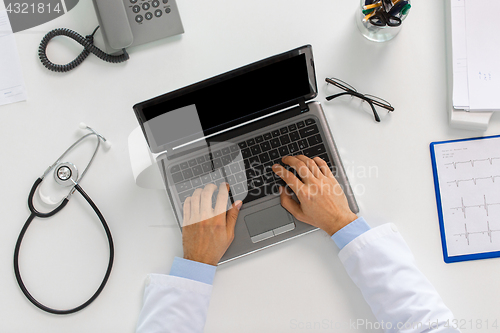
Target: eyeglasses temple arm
x=328 y=98
x=385 y=106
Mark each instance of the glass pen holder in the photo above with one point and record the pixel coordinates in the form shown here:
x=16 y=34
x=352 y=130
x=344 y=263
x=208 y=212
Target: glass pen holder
x=381 y=20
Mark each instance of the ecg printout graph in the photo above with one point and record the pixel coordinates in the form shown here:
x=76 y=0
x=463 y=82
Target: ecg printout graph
x=468 y=173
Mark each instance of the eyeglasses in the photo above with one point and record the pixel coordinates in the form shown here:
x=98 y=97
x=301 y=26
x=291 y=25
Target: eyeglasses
x=370 y=99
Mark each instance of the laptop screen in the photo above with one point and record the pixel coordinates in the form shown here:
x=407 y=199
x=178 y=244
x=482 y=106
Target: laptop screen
x=227 y=100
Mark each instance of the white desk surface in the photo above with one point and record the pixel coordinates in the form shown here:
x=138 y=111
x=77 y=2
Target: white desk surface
x=285 y=288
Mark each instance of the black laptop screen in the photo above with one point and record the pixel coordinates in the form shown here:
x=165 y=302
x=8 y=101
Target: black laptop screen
x=228 y=100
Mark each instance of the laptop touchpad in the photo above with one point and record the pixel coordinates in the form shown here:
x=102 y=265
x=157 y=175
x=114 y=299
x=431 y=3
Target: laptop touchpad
x=268 y=223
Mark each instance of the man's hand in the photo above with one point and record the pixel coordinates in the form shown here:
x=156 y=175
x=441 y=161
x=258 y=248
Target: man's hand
x=322 y=202
x=207 y=232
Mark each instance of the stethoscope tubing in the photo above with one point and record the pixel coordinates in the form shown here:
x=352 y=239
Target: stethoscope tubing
x=35 y=213
x=62 y=204
x=32 y=208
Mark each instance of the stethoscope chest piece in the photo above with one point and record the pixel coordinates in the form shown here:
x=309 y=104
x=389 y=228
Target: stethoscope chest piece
x=66 y=174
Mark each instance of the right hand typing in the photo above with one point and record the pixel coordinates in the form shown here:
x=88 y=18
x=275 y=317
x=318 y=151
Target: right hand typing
x=322 y=202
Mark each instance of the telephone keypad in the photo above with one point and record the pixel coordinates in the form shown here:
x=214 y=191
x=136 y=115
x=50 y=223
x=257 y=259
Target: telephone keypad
x=145 y=5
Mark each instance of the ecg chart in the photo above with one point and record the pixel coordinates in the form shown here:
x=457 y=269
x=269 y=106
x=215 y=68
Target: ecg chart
x=469 y=186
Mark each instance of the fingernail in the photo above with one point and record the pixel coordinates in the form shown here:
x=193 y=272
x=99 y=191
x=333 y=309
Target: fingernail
x=239 y=203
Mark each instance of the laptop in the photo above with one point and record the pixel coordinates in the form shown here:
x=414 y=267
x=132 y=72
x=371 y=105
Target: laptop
x=232 y=128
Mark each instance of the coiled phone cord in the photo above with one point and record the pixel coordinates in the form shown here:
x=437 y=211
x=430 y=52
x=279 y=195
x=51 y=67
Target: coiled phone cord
x=87 y=42
x=35 y=213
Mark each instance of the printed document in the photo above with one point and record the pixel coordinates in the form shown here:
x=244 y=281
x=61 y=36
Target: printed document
x=12 y=87
x=459 y=55
x=469 y=186
x=483 y=52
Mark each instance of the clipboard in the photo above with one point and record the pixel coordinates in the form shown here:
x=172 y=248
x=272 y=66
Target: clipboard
x=466 y=176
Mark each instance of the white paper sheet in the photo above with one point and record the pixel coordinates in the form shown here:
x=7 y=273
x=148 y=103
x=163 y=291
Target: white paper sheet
x=459 y=55
x=469 y=182
x=12 y=87
x=144 y=168
x=483 y=53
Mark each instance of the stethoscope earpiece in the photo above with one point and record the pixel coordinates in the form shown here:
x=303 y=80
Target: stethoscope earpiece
x=105 y=143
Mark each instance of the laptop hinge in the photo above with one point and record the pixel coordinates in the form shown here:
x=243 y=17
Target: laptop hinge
x=303 y=106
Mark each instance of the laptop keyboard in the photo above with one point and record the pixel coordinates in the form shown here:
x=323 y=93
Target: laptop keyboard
x=247 y=165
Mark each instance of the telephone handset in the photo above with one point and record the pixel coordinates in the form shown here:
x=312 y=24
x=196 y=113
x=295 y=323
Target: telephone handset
x=127 y=23
x=114 y=23
x=124 y=24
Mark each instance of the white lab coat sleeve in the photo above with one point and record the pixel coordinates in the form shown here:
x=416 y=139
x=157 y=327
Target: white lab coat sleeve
x=173 y=304
x=400 y=296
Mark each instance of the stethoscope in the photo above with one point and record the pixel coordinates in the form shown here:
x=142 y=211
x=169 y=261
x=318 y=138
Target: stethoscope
x=65 y=174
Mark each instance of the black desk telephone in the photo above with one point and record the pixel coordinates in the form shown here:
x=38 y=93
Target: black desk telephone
x=124 y=24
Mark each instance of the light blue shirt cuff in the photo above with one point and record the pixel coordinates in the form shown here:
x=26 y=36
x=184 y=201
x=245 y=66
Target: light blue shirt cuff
x=193 y=270
x=347 y=234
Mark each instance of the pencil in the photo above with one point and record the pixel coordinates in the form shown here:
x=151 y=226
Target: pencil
x=372 y=6
x=367 y=17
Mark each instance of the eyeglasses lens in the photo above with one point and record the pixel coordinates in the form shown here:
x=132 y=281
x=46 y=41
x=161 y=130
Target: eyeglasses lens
x=343 y=92
x=336 y=86
x=340 y=84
